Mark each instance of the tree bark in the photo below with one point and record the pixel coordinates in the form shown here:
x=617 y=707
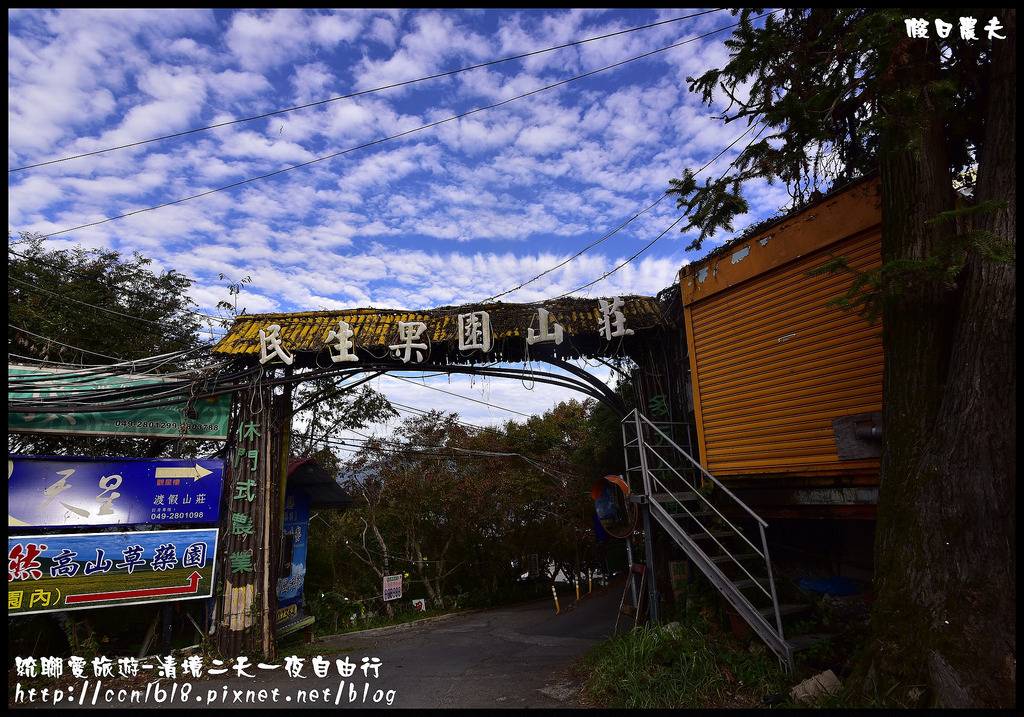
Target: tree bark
x=973 y=447
x=945 y=558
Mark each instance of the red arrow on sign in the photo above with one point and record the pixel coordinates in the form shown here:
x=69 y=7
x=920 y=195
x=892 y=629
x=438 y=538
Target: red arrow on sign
x=192 y=587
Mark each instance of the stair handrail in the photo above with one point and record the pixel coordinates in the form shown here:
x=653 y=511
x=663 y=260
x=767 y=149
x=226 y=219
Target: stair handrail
x=639 y=419
x=761 y=551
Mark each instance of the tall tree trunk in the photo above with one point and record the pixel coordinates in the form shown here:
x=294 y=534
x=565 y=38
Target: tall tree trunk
x=421 y=570
x=973 y=446
x=943 y=622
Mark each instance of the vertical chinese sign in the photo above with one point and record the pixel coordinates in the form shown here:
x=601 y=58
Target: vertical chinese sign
x=251 y=525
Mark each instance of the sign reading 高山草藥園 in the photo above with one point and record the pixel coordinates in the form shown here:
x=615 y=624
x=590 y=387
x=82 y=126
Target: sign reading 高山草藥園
x=46 y=573
x=53 y=492
x=207 y=417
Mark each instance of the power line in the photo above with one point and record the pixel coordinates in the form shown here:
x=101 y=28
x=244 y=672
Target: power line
x=366 y=92
x=480 y=109
x=466 y=398
x=657 y=238
x=391 y=137
x=439 y=451
x=67 y=346
x=420 y=412
x=118 y=315
x=68 y=391
x=86 y=277
x=577 y=254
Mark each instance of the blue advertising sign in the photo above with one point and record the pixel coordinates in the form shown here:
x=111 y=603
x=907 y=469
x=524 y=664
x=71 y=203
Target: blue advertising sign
x=49 y=492
x=296 y=528
x=73 y=572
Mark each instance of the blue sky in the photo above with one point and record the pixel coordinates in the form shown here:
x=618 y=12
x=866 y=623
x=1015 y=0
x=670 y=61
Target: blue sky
x=388 y=187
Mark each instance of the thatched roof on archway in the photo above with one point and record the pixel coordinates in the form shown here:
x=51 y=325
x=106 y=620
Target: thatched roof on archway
x=585 y=332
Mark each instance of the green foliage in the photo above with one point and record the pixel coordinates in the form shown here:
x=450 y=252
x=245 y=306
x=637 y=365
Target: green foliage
x=691 y=664
x=95 y=307
x=324 y=406
x=332 y=611
x=832 y=90
x=459 y=509
x=870 y=291
x=682 y=666
x=234 y=289
x=711 y=208
x=86 y=647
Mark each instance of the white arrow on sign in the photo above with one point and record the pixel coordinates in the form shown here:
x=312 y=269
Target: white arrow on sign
x=193 y=472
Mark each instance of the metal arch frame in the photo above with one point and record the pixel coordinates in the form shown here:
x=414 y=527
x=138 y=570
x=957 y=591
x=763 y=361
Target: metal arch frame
x=143 y=397
x=580 y=380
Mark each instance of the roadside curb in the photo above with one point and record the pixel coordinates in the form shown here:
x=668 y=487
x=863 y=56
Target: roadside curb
x=327 y=640
x=336 y=641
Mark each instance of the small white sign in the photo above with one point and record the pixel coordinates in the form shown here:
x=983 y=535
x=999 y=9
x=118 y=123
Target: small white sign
x=420 y=604
x=392 y=587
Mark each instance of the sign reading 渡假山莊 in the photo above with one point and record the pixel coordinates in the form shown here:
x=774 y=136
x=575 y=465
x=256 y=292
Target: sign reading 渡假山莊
x=207 y=417
x=47 y=573
x=44 y=492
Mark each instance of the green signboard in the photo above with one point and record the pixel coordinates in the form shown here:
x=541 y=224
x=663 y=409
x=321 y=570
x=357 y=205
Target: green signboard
x=46 y=573
x=208 y=417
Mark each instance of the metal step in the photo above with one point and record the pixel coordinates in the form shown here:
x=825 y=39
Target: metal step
x=673 y=497
x=719 y=559
x=712 y=534
x=802 y=642
x=693 y=514
x=784 y=610
x=655 y=489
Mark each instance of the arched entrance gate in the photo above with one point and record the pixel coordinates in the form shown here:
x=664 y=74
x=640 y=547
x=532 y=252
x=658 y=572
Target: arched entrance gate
x=283 y=349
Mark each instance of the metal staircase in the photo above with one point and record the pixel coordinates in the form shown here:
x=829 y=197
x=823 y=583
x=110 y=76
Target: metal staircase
x=692 y=506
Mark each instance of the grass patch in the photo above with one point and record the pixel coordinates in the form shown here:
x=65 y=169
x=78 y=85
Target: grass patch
x=682 y=665
x=697 y=664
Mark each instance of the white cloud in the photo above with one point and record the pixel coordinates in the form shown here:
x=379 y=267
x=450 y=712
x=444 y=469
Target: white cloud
x=333 y=29
x=493 y=203
x=265 y=39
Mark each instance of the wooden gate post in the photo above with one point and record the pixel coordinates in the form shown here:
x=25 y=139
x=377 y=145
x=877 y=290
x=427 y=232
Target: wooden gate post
x=250 y=526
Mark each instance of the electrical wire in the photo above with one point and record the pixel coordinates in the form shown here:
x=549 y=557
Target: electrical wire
x=152 y=395
x=566 y=261
x=58 y=343
x=119 y=316
x=44 y=262
x=48 y=392
x=657 y=238
x=466 y=398
x=398 y=448
x=366 y=92
x=391 y=137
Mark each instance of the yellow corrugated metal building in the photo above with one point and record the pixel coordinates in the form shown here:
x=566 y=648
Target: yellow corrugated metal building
x=787 y=391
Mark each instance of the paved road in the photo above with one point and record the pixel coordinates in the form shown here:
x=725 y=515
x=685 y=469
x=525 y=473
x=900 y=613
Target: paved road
x=515 y=657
